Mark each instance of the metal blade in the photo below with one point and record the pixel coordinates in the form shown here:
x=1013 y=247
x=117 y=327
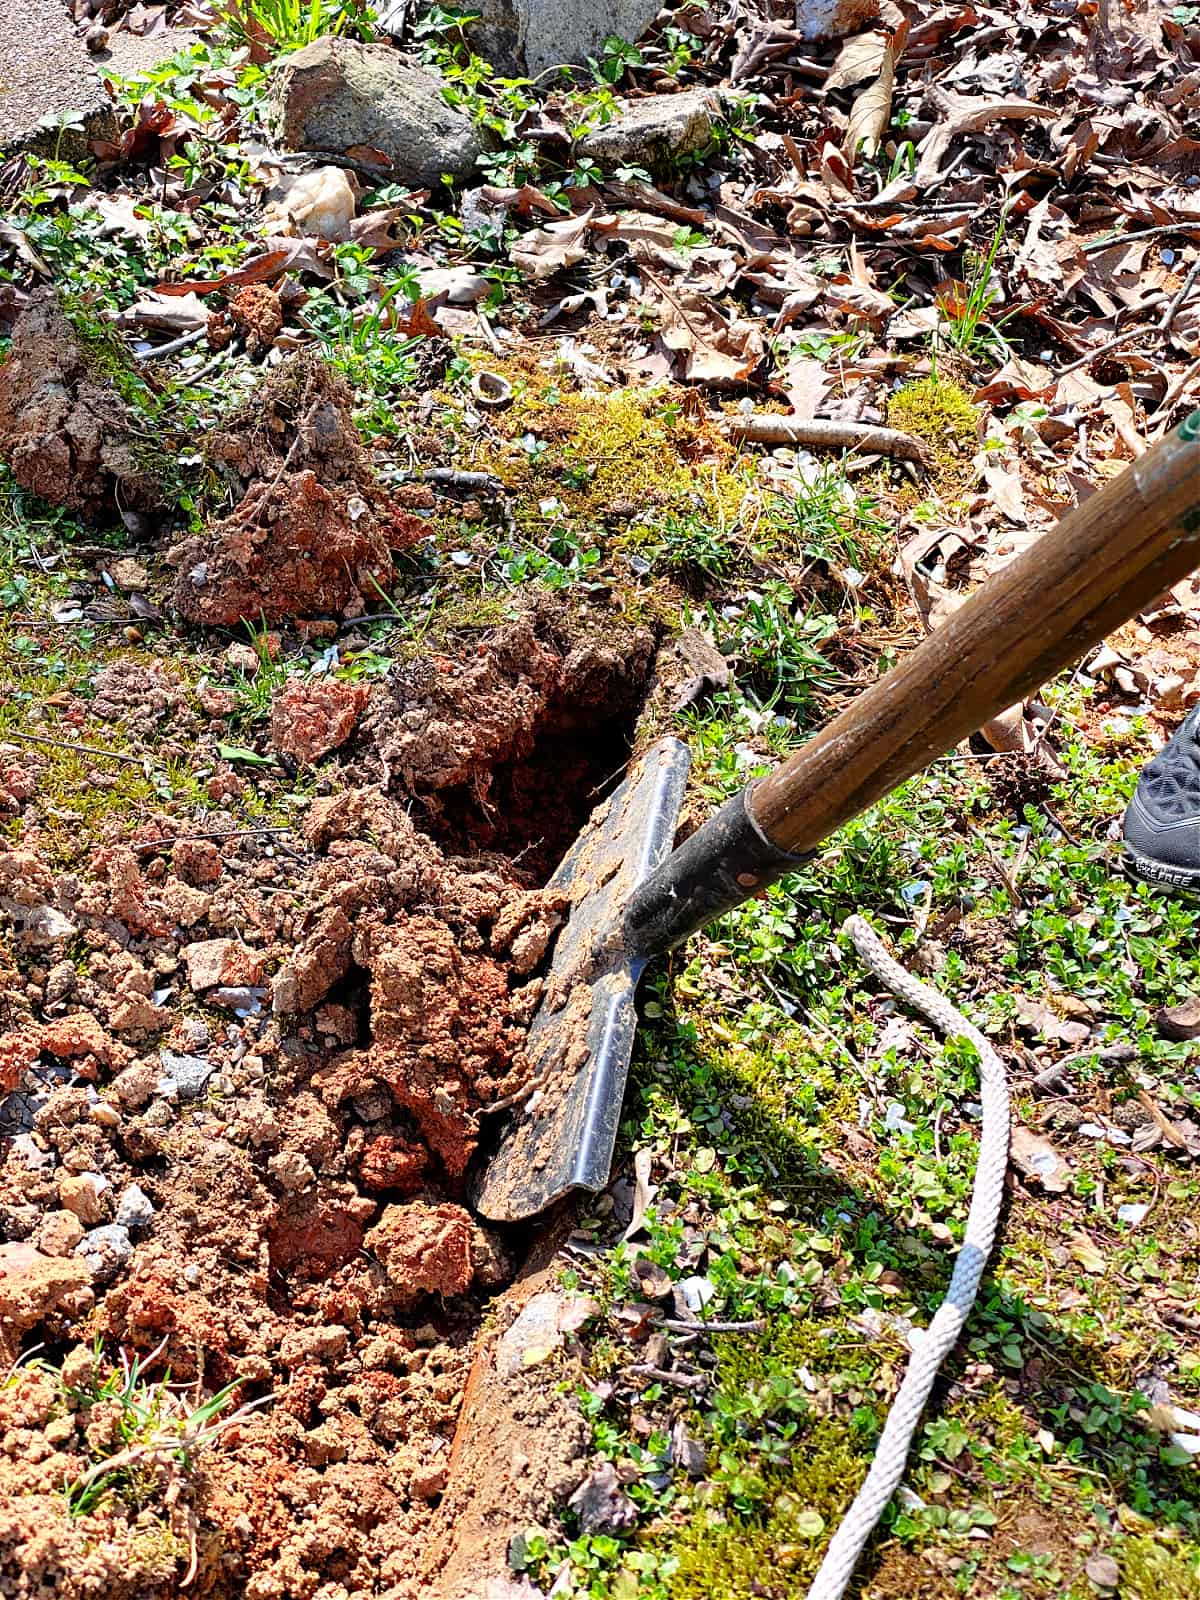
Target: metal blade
x=581 y=1039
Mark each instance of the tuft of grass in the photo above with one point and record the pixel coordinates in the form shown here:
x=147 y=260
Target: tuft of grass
x=254 y=691
x=291 y=24
x=774 y=639
x=964 y=323
x=153 y=1424
x=149 y=1424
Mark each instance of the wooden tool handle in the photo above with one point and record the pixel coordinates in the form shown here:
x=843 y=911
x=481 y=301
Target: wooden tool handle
x=1100 y=565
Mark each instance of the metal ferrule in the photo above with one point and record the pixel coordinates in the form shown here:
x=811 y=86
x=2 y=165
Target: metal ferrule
x=724 y=862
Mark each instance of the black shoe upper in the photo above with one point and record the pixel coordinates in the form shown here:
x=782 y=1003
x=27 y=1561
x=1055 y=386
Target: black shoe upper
x=1162 y=822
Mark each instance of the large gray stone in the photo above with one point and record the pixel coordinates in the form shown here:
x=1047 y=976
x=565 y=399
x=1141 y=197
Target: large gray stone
x=51 y=97
x=533 y=35
x=657 y=132
x=336 y=94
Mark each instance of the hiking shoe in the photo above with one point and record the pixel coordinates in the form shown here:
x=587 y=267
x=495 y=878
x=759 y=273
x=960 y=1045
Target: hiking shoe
x=1162 y=821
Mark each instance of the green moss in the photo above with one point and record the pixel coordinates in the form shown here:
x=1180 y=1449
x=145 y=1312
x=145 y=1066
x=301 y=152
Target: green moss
x=1151 y=1572
x=107 y=359
x=152 y=440
x=155 y=1552
x=616 y=457
x=784 y=1091
x=940 y=413
x=462 y=611
x=777 y=1550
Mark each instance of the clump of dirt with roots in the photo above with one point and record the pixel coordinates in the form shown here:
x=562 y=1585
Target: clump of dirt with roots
x=238 y=1136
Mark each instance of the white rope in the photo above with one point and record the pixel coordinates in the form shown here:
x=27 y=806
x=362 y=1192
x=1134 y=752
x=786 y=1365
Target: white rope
x=891 y=1454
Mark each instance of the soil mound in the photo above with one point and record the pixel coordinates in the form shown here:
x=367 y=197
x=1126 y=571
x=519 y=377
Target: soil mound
x=239 y=1132
x=64 y=429
x=312 y=529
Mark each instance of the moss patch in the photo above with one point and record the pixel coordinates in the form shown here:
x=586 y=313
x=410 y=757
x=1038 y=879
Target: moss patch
x=775 y=1552
x=624 y=459
x=1149 y=1571
x=940 y=413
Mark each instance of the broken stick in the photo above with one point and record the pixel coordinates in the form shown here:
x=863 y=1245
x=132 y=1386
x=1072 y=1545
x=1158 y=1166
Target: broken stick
x=826 y=435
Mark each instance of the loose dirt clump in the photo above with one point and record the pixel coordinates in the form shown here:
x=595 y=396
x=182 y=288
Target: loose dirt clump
x=424 y=1249
x=309 y=718
x=312 y=528
x=445 y=951
x=65 y=429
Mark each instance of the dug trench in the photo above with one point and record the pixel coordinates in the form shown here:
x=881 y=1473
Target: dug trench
x=299 y=1238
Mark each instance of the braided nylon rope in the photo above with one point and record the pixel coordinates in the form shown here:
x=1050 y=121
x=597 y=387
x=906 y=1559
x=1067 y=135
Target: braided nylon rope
x=891 y=1454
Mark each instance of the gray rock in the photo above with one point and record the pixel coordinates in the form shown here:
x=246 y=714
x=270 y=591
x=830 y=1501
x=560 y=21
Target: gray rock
x=44 y=925
x=17 y=1112
x=134 y=1209
x=336 y=94
x=655 y=133
x=195 y=1033
x=105 y=1251
x=183 y=1077
x=536 y=34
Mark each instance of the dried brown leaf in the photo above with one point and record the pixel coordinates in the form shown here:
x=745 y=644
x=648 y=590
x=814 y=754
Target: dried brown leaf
x=545 y=251
x=872 y=109
x=1035 y=1157
x=859 y=58
x=714 y=348
x=643 y=1191
x=260 y=269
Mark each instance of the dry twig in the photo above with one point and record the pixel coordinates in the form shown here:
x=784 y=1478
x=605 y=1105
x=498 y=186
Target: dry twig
x=826 y=435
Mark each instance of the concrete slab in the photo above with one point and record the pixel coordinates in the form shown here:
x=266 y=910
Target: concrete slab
x=45 y=71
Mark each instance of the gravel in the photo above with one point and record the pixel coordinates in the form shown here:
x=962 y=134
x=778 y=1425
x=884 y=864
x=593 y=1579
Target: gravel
x=46 y=72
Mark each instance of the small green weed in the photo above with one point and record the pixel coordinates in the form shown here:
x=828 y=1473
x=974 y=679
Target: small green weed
x=775 y=642
x=291 y=24
x=254 y=692
x=963 y=307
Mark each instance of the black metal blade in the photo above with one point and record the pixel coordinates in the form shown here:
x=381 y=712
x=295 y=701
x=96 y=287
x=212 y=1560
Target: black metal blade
x=581 y=1039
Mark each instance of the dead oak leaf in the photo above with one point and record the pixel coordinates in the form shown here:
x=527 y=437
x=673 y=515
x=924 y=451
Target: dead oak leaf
x=1037 y=1017
x=713 y=348
x=180 y=313
x=259 y=269
x=958 y=114
x=872 y=109
x=524 y=201
x=1035 y=1157
x=373 y=229
x=859 y=58
x=121 y=216
x=860 y=300
x=418 y=324
x=545 y=251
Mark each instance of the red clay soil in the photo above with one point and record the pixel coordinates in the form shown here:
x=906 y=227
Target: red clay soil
x=298 y=1150
x=311 y=717
x=508 y=746
x=64 y=430
x=312 y=530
